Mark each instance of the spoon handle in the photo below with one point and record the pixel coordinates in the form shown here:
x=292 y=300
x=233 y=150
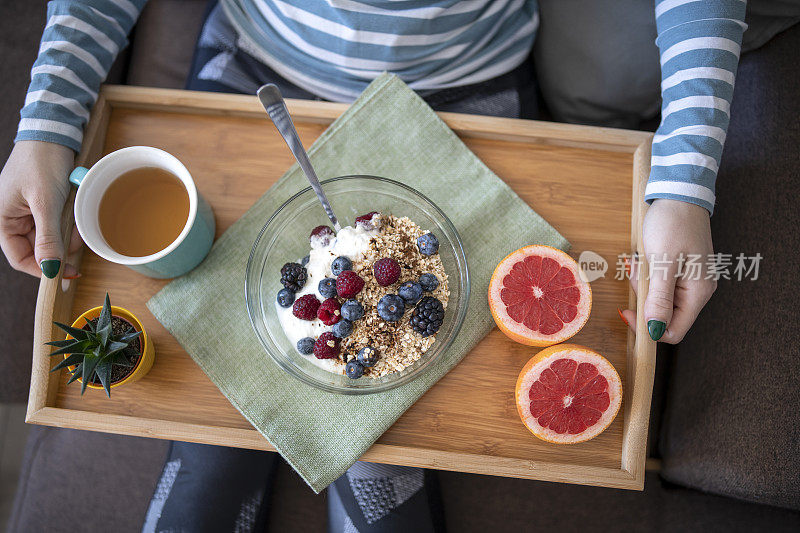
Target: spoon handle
x=273 y=103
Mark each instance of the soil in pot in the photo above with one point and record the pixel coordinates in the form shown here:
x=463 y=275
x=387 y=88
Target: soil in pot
x=120 y=326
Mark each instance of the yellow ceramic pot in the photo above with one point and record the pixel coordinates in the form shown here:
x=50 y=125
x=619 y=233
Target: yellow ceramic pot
x=148 y=353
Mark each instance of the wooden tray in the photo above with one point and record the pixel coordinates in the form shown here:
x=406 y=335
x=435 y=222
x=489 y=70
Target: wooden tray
x=587 y=182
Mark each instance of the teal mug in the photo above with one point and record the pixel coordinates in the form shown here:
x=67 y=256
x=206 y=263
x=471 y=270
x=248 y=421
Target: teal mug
x=184 y=253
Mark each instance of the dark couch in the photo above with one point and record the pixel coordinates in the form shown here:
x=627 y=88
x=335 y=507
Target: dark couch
x=725 y=416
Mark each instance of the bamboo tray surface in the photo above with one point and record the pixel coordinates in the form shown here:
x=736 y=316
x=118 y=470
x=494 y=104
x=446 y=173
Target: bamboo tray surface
x=587 y=182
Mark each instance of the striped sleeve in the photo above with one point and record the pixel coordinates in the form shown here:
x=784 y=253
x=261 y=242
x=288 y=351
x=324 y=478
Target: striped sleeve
x=700 y=41
x=79 y=44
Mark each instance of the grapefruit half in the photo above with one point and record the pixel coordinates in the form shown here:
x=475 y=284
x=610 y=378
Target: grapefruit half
x=537 y=296
x=568 y=393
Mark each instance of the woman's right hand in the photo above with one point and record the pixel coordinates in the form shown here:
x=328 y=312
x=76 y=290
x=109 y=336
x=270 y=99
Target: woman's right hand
x=33 y=190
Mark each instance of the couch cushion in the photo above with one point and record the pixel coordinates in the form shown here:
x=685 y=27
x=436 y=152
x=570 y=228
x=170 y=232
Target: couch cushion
x=84 y=481
x=732 y=423
x=485 y=503
x=21 y=24
x=163 y=43
x=118 y=474
x=62 y=464
x=597 y=61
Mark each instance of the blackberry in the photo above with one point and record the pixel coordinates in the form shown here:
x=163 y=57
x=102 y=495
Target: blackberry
x=427 y=317
x=285 y=298
x=293 y=276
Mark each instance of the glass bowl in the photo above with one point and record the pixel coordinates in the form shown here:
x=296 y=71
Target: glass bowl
x=284 y=238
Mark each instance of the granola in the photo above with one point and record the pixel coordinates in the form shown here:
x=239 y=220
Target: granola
x=398 y=344
x=319 y=295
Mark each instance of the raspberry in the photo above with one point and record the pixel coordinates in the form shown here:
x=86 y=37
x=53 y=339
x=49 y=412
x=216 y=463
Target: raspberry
x=368 y=220
x=329 y=312
x=321 y=236
x=348 y=284
x=326 y=346
x=305 y=307
x=387 y=271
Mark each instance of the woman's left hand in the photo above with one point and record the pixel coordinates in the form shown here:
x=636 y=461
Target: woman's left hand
x=674 y=231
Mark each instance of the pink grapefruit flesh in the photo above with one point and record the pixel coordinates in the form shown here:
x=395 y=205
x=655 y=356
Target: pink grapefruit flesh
x=567 y=394
x=537 y=296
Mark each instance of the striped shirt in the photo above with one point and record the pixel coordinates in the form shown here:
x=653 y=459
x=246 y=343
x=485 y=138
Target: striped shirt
x=335 y=48
x=700 y=42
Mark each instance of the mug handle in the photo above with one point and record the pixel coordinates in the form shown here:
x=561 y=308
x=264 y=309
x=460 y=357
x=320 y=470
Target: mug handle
x=77 y=175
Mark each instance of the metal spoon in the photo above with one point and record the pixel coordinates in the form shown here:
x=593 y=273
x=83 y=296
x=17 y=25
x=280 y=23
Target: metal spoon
x=271 y=99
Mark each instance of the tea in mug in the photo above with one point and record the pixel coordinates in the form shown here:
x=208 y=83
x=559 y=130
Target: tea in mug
x=143 y=211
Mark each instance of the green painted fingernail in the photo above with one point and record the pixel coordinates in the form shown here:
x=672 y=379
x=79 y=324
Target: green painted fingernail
x=656 y=329
x=50 y=267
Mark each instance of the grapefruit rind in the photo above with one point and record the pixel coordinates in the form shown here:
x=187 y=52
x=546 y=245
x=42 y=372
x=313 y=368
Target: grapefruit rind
x=538 y=363
x=519 y=332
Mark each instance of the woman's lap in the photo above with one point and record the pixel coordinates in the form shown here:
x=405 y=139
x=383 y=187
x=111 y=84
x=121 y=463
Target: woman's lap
x=220 y=65
x=373 y=497
x=211 y=488
x=216 y=489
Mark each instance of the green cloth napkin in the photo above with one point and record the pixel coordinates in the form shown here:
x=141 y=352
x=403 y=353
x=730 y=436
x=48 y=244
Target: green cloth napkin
x=415 y=147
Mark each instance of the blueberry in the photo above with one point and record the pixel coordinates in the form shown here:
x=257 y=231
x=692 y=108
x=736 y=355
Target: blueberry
x=428 y=244
x=391 y=308
x=368 y=356
x=327 y=287
x=305 y=260
x=285 y=297
x=410 y=291
x=429 y=282
x=354 y=369
x=343 y=328
x=352 y=310
x=340 y=264
x=305 y=346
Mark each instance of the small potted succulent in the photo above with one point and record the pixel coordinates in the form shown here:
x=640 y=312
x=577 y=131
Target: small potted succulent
x=110 y=349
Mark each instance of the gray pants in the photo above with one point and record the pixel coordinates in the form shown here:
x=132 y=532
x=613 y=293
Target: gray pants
x=217 y=490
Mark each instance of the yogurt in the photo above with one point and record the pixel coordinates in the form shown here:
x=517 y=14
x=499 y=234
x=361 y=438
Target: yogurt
x=350 y=242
